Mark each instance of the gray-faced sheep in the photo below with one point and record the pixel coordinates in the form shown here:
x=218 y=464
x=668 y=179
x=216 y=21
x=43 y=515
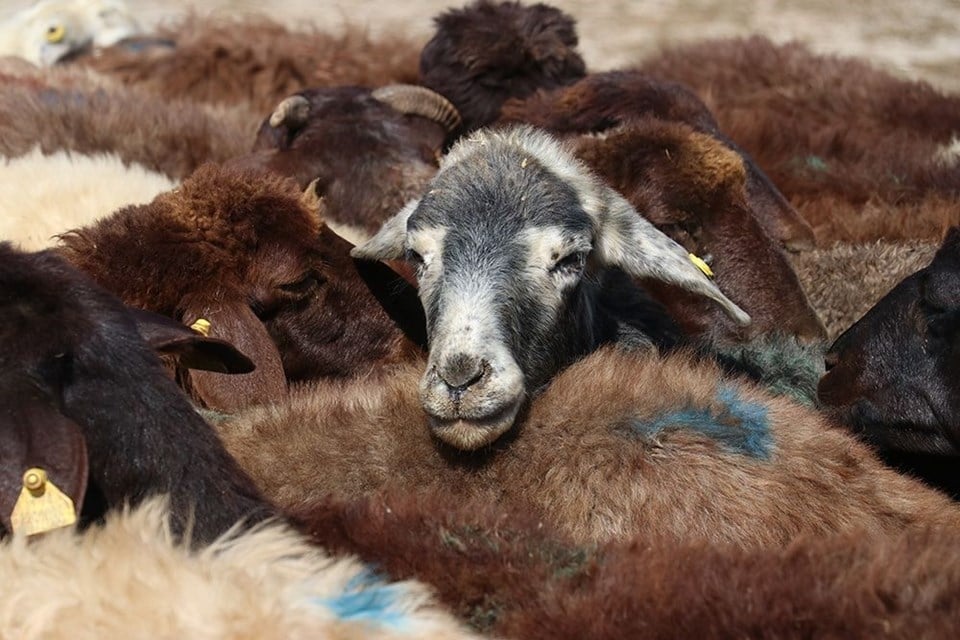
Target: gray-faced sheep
x=242 y=250
x=891 y=376
x=254 y=61
x=855 y=149
x=367 y=152
x=510 y=242
x=93 y=379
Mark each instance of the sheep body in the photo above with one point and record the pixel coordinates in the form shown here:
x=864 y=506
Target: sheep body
x=43 y=195
x=618 y=445
x=131 y=577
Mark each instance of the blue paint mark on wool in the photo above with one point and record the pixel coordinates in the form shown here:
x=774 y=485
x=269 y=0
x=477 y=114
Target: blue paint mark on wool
x=367 y=598
x=739 y=425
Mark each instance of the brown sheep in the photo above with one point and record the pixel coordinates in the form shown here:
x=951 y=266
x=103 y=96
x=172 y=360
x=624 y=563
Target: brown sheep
x=241 y=250
x=619 y=445
x=367 y=152
x=66 y=109
x=507 y=573
x=855 y=149
x=254 y=61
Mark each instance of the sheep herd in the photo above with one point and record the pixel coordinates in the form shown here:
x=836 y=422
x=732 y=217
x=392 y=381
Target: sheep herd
x=324 y=335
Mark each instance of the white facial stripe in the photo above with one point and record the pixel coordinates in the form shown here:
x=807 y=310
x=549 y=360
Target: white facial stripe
x=546 y=245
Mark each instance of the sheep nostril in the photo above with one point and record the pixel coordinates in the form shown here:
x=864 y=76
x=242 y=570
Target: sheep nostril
x=830 y=360
x=461 y=372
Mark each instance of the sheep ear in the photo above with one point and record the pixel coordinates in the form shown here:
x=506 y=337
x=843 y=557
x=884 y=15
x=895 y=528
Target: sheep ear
x=234 y=323
x=34 y=434
x=390 y=241
x=626 y=240
x=192 y=348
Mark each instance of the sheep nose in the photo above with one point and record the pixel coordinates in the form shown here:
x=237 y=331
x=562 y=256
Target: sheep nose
x=461 y=371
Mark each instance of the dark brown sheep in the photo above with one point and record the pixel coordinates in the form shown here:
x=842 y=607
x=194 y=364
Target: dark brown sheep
x=856 y=150
x=254 y=61
x=367 y=152
x=892 y=376
x=241 y=250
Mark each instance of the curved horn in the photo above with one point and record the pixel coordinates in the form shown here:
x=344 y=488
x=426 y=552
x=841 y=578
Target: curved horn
x=292 y=111
x=420 y=101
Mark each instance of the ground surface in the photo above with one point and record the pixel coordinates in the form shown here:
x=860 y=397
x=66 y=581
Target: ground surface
x=914 y=39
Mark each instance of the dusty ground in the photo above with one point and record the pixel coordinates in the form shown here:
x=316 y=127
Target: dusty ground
x=913 y=39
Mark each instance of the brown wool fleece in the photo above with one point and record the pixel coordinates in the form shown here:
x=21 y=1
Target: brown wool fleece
x=201 y=236
x=256 y=62
x=506 y=572
x=857 y=151
x=588 y=465
x=72 y=109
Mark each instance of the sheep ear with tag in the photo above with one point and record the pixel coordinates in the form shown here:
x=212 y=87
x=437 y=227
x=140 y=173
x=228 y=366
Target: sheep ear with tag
x=232 y=321
x=390 y=241
x=43 y=461
x=193 y=349
x=626 y=240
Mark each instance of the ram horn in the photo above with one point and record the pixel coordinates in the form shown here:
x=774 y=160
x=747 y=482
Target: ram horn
x=292 y=112
x=409 y=98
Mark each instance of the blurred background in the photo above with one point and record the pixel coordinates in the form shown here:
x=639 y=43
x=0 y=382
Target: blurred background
x=911 y=39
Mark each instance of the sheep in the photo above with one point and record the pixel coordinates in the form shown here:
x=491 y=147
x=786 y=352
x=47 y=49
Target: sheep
x=844 y=280
x=880 y=178
x=515 y=206
x=521 y=83
x=34 y=208
x=510 y=574
x=366 y=151
x=254 y=61
x=620 y=445
x=70 y=110
x=86 y=372
x=205 y=547
x=53 y=31
x=891 y=375
x=130 y=577
x=243 y=250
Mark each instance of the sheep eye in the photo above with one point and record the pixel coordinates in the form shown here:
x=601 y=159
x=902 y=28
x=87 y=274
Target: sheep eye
x=571 y=264
x=414 y=258
x=302 y=287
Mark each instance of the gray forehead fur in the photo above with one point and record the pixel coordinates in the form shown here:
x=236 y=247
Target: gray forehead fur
x=521 y=171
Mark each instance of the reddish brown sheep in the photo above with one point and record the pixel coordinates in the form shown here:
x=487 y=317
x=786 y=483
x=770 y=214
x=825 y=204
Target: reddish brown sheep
x=509 y=574
x=241 y=250
x=856 y=150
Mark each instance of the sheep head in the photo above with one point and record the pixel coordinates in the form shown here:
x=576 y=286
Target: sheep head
x=508 y=243
x=247 y=252
x=892 y=375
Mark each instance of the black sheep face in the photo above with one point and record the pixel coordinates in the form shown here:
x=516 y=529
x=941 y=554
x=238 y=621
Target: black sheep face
x=893 y=376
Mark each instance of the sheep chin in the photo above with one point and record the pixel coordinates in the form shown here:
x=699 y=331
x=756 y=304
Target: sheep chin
x=469 y=435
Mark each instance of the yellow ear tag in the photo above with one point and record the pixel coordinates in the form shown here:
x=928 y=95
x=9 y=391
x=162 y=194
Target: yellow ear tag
x=201 y=326
x=700 y=264
x=56 y=33
x=41 y=506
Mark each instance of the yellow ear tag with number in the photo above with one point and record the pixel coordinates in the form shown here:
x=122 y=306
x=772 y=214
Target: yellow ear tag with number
x=201 y=326
x=700 y=264
x=41 y=506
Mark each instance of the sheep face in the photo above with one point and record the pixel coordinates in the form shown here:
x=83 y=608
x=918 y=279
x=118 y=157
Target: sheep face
x=508 y=244
x=892 y=375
